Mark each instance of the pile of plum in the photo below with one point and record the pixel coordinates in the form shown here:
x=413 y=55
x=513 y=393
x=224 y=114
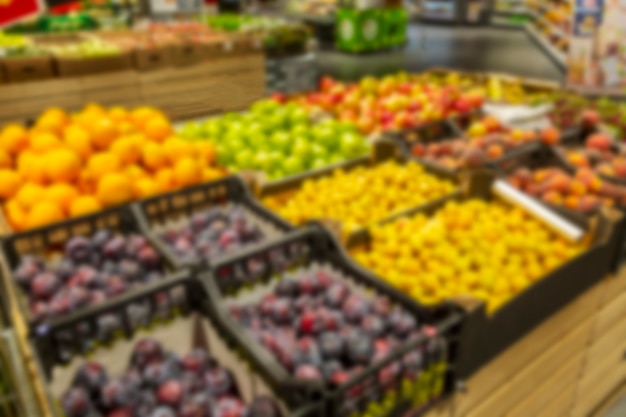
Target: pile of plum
x=89 y=271
x=158 y=383
x=322 y=329
x=213 y=232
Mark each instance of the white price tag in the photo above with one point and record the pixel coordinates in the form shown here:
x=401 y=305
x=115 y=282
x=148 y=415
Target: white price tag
x=228 y=46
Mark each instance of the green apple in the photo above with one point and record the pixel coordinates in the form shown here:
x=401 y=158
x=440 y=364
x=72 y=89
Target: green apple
x=300 y=130
x=263 y=161
x=319 y=163
x=318 y=151
x=298 y=116
x=301 y=148
x=280 y=140
x=325 y=136
x=244 y=158
x=293 y=165
x=351 y=144
x=213 y=128
x=191 y=130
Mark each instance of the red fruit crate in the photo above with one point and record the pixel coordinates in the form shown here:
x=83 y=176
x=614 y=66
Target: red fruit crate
x=38 y=252
x=201 y=206
x=490 y=334
x=409 y=377
x=178 y=335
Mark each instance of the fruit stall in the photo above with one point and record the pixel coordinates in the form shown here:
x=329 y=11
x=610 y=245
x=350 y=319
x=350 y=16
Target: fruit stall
x=381 y=248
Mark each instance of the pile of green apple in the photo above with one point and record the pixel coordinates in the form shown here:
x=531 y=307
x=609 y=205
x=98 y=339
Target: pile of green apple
x=277 y=139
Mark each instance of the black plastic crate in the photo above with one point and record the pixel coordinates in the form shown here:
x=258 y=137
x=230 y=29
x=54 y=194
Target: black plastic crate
x=182 y=204
x=384 y=150
x=313 y=246
x=176 y=328
x=487 y=335
x=50 y=239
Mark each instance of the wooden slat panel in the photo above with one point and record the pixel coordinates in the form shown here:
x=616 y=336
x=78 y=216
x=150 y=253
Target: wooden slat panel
x=615 y=336
x=609 y=316
x=534 y=373
x=38 y=89
x=565 y=378
x=116 y=79
x=561 y=406
x=616 y=285
x=505 y=366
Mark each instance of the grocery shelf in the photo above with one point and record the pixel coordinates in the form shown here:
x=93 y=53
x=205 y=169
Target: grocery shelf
x=557 y=56
x=554 y=29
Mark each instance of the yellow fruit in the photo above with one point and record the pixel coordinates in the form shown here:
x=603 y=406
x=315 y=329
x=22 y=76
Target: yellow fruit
x=42 y=142
x=14 y=139
x=44 y=213
x=5 y=159
x=158 y=128
x=114 y=188
x=52 y=120
x=119 y=114
x=127 y=149
x=85 y=204
x=29 y=194
x=77 y=139
x=154 y=156
x=104 y=133
x=147 y=187
x=165 y=179
x=206 y=151
x=135 y=172
x=16 y=216
x=177 y=149
x=10 y=183
x=103 y=163
x=61 y=194
x=211 y=174
x=187 y=172
x=63 y=165
x=32 y=167
x=141 y=115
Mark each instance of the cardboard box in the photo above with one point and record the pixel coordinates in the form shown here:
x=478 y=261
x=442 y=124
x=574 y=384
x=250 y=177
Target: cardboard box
x=73 y=67
x=23 y=69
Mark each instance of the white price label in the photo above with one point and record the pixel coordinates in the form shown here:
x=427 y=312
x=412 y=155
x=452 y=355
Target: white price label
x=228 y=46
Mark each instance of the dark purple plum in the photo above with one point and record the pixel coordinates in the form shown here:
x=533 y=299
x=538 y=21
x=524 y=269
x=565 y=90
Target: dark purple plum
x=229 y=407
x=97 y=297
x=27 y=270
x=329 y=368
x=375 y=326
x=134 y=243
x=307 y=351
x=287 y=288
x=163 y=411
x=263 y=407
x=381 y=306
x=281 y=311
x=219 y=381
x=360 y=348
x=87 y=277
x=402 y=323
x=100 y=238
x=146 y=351
x=170 y=393
x=116 y=394
x=76 y=403
x=122 y=412
x=336 y=294
x=115 y=285
x=61 y=303
x=331 y=320
x=331 y=345
x=130 y=270
x=304 y=302
x=324 y=279
x=266 y=306
x=309 y=323
x=308 y=284
x=39 y=310
x=355 y=308
x=92 y=377
x=114 y=248
x=78 y=249
x=198 y=360
x=149 y=258
x=200 y=404
x=44 y=285
x=65 y=269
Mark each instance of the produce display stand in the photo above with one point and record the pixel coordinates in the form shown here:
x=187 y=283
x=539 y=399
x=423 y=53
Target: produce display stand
x=492 y=334
x=157 y=211
x=314 y=245
x=182 y=330
x=383 y=151
x=215 y=85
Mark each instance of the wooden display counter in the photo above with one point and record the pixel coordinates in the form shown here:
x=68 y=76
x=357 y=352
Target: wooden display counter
x=217 y=85
x=567 y=367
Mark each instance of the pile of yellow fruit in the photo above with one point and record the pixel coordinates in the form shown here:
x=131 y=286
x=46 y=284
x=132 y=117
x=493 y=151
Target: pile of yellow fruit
x=491 y=251
x=361 y=196
x=74 y=164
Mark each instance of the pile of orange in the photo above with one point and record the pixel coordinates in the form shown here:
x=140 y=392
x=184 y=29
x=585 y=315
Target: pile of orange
x=73 y=164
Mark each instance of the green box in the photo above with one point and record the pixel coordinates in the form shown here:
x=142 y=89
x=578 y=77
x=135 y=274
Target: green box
x=396 y=26
x=359 y=30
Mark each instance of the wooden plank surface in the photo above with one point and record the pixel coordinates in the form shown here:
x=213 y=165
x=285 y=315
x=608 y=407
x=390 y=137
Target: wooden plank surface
x=609 y=316
x=487 y=380
x=510 y=394
x=561 y=405
x=616 y=285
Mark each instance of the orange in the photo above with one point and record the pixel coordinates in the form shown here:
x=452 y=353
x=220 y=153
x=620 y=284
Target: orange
x=127 y=149
x=31 y=167
x=141 y=115
x=153 y=156
x=41 y=142
x=62 y=194
x=63 y=165
x=114 y=188
x=206 y=151
x=10 y=183
x=103 y=133
x=177 y=149
x=158 y=128
x=77 y=139
x=127 y=128
x=84 y=204
x=165 y=179
x=93 y=109
x=43 y=213
x=119 y=114
x=135 y=172
x=187 y=171
x=5 y=159
x=16 y=216
x=103 y=163
x=14 y=139
x=52 y=120
x=29 y=194
x=147 y=187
